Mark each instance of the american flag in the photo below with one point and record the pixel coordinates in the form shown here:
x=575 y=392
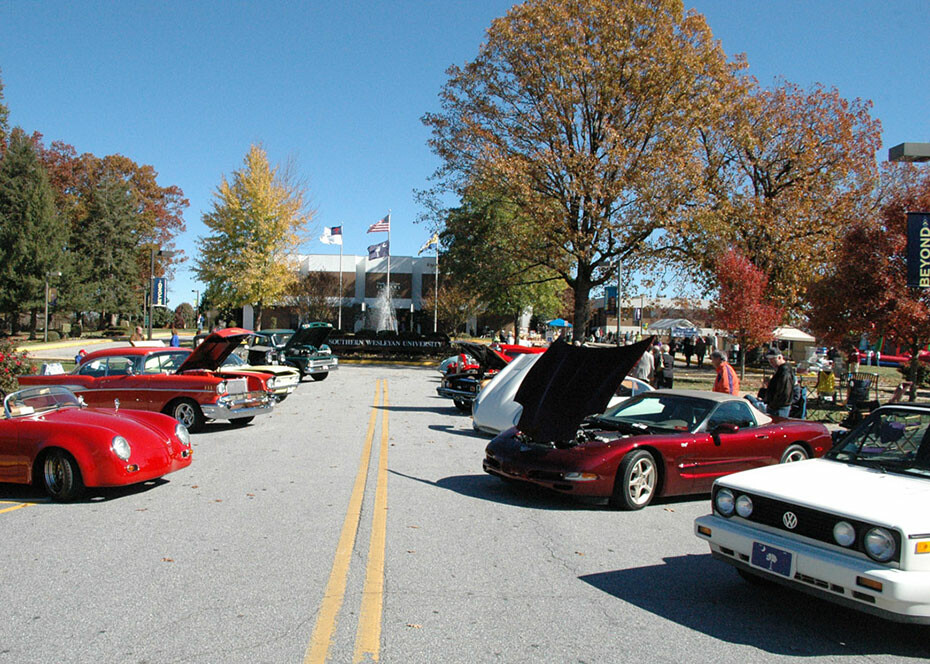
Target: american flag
x=382 y=226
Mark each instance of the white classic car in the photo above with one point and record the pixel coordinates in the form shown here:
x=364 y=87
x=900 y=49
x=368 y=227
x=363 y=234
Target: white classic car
x=494 y=410
x=852 y=527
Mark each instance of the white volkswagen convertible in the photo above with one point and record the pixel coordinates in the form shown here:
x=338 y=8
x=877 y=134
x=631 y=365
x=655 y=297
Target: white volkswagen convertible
x=852 y=527
x=495 y=410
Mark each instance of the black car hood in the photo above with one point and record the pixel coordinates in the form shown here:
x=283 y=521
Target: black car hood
x=487 y=358
x=568 y=383
x=309 y=334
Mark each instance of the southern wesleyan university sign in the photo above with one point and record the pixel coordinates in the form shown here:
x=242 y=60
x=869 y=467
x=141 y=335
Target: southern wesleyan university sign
x=918 y=249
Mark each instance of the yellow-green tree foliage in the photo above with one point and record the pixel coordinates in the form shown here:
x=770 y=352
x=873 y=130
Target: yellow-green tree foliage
x=259 y=218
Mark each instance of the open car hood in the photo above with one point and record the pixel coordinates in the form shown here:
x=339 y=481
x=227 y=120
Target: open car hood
x=568 y=383
x=309 y=334
x=486 y=357
x=213 y=351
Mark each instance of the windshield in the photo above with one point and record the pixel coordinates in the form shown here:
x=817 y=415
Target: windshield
x=234 y=361
x=890 y=438
x=661 y=411
x=38 y=400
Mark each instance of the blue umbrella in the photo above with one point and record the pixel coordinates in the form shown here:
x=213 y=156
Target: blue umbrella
x=559 y=322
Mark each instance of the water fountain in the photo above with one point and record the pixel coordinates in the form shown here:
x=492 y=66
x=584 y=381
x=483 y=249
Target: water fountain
x=381 y=315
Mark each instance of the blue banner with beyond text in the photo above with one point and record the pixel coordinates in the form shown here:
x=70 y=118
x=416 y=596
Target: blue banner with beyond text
x=918 y=249
x=160 y=291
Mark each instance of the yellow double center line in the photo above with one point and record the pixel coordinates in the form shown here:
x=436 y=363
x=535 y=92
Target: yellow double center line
x=368 y=636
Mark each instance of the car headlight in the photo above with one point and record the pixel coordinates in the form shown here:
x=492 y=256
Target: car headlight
x=270 y=383
x=879 y=544
x=744 y=506
x=183 y=435
x=221 y=387
x=269 y=357
x=724 y=502
x=120 y=447
x=281 y=357
x=844 y=533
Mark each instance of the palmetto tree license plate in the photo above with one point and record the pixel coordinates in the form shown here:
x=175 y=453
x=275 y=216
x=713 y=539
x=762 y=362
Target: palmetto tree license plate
x=771 y=559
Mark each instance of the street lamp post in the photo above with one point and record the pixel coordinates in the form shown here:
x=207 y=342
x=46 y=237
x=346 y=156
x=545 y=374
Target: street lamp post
x=45 y=330
x=165 y=253
x=196 y=307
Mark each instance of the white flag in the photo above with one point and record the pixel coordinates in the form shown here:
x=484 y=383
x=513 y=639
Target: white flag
x=331 y=235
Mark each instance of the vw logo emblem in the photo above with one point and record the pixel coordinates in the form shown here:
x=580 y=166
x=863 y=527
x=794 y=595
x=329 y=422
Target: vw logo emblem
x=790 y=519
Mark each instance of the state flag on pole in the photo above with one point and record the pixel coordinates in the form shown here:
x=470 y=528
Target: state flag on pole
x=382 y=226
x=331 y=235
x=379 y=250
x=433 y=241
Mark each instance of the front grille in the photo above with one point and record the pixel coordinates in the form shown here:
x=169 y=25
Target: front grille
x=237 y=386
x=811 y=523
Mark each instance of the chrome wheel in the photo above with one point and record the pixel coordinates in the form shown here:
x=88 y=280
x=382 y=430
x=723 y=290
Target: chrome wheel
x=794 y=453
x=642 y=482
x=637 y=481
x=61 y=477
x=188 y=413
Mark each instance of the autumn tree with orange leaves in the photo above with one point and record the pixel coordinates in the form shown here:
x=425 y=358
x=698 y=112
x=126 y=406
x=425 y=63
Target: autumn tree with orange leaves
x=784 y=177
x=584 y=115
x=744 y=307
x=865 y=290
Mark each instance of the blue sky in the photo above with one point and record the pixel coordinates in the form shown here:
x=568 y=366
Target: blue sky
x=340 y=87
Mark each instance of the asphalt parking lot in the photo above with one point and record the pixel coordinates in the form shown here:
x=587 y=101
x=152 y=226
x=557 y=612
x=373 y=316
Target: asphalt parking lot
x=355 y=524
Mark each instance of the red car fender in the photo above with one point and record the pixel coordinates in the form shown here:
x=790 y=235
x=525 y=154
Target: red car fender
x=89 y=454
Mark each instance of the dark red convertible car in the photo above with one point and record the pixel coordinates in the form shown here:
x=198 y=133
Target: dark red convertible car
x=49 y=438
x=190 y=386
x=660 y=443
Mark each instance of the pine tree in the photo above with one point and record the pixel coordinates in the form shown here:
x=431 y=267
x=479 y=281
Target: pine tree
x=33 y=236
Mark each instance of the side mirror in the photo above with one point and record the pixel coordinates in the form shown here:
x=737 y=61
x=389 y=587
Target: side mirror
x=726 y=427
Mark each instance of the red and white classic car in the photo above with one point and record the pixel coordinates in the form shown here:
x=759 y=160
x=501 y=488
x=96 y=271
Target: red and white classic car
x=189 y=386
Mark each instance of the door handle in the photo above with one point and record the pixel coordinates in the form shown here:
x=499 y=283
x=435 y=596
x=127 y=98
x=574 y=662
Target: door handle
x=761 y=436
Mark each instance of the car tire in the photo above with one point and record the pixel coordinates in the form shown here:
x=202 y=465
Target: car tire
x=794 y=453
x=637 y=481
x=462 y=405
x=188 y=413
x=319 y=376
x=61 y=477
x=241 y=421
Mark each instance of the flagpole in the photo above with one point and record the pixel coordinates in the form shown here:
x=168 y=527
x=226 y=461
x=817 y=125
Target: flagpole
x=389 y=299
x=436 y=294
x=341 y=235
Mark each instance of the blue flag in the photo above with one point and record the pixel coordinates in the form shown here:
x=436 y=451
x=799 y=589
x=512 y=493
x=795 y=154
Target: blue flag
x=379 y=250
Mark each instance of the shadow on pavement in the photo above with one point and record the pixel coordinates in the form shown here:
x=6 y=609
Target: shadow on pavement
x=29 y=494
x=496 y=490
x=708 y=596
x=450 y=428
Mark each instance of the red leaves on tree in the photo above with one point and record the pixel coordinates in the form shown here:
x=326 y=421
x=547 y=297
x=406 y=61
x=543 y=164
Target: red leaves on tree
x=743 y=307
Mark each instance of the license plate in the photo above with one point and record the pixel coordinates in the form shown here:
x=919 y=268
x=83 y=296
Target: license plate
x=767 y=557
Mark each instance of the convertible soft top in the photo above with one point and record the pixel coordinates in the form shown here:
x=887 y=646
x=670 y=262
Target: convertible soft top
x=569 y=383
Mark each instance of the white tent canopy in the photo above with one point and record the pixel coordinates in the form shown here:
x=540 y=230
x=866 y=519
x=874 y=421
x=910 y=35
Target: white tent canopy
x=792 y=334
x=671 y=323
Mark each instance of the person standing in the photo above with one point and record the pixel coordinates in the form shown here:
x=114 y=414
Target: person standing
x=688 y=350
x=727 y=381
x=175 y=339
x=656 y=364
x=643 y=368
x=667 y=376
x=780 y=390
x=700 y=349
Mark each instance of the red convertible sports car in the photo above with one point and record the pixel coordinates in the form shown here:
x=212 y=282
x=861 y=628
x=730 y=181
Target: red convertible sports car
x=49 y=438
x=660 y=443
x=189 y=386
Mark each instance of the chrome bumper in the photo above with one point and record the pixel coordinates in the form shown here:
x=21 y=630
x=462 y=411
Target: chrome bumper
x=322 y=366
x=462 y=395
x=235 y=406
